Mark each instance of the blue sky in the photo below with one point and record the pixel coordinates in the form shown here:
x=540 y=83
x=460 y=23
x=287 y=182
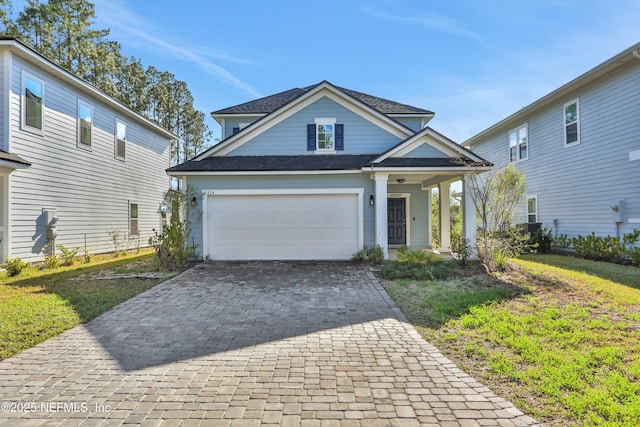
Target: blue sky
x=471 y=62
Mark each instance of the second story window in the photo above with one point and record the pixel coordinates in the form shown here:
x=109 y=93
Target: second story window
x=32 y=103
x=85 y=123
x=121 y=139
x=518 y=144
x=325 y=136
x=572 y=123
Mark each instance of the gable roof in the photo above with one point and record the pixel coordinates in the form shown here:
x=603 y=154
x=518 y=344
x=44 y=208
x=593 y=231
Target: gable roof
x=271 y=103
x=445 y=144
x=630 y=54
x=12 y=160
x=295 y=104
x=33 y=57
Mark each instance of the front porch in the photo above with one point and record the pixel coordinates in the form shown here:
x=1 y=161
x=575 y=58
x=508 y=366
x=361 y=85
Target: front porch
x=405 y=215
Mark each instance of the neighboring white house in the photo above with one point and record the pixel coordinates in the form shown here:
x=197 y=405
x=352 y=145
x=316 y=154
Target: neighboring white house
x=579 y=147
x=72 y=160
x=319 y=172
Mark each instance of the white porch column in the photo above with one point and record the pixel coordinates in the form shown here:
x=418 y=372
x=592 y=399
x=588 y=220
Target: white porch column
x=444 y=190
x=429 y=217
x=469 y=218
x=382 y=224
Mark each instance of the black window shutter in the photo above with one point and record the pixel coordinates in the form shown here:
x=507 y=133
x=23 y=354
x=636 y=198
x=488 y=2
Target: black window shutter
x=311 y=137
x=235 y=130
x=339 y=137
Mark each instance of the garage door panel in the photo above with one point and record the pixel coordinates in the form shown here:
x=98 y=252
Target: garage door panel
x=308 y=226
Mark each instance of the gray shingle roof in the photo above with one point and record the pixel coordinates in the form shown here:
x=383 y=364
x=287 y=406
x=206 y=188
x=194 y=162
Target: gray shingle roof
x=311 y=162
x=276 y=163
x=13 y=158
x=429 y=162
x=271 y=103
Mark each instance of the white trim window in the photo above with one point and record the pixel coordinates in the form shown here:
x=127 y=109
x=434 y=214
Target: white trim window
x=133 y=219
x=532 y=209
x=120 y=139
x=325 y=135
x=85 y=124
x=519 y=144
x=32 y=103
x=571 y=114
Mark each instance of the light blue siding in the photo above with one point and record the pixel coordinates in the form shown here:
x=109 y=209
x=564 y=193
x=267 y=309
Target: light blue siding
x=418 y=200
x=230 y=123
x=89 y=189
x=414 y=123
x=426 y=150
x=289 y=136
x=577 y=185
x=199 y=183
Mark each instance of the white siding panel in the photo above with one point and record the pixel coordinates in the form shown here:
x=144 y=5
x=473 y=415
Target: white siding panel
x=89 y=189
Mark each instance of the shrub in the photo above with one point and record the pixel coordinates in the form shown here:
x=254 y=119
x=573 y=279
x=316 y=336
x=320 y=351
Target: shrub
x=598 y=248
x=367 y=255
x=52 y=261
x=635 y=256
x=461 y=249
x=608 y=248
x=68 y=256
x=172 y=246
x=417 y=256
x=15 y=266
x=562 y=241
x=116 y=239
x=541 y=240
x=500 y=258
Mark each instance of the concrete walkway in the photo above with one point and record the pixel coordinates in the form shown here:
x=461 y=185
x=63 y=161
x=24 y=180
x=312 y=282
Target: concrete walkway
x=247 y=344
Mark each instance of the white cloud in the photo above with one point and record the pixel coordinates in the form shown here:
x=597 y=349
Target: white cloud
x=432 y=21
x=115 y=14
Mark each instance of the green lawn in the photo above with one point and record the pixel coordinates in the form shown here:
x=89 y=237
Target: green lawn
x=39 y=304
x=558 y=336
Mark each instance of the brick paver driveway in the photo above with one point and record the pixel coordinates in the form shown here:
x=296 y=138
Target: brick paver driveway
x=242 y=344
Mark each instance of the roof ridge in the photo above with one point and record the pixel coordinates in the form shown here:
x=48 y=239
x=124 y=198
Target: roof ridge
x=271 y=103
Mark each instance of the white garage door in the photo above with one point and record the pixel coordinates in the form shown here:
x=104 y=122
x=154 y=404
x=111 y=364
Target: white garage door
x=283 y=226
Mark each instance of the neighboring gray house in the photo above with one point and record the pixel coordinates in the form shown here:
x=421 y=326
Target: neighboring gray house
x=319 y=172
x=579 y=147
x=70 y=152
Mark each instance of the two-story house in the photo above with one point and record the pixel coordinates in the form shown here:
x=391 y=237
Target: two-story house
x=320 y=172
x=74 y=162
x=579 y=147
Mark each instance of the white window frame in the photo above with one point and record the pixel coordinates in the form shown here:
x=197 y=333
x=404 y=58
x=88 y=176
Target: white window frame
x=565 y=125
x=80 y=144
x=135 y=220
x=116 y=139
x=325 y=121
x=530 y=197
x=518 y=144
x=23 y=107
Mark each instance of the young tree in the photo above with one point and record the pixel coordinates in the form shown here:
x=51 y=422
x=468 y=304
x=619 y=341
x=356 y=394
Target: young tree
x=497 y=196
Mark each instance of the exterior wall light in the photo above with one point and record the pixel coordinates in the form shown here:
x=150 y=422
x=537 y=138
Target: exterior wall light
x=194 y=201
x=372 y=200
